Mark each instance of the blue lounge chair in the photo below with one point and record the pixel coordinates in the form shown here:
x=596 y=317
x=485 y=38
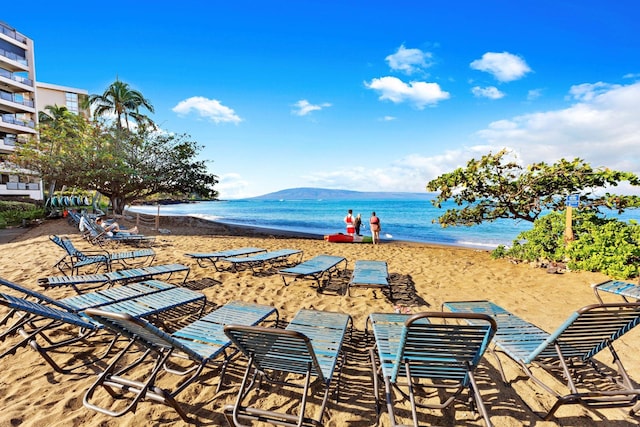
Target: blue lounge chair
x=309 y=347
x=201 y=342
x=41 y=319
x=75 y=259
x=203 y=259
x=369 y=274
x=97 y=235
x=623 y=289
x=569 y=350
x=260 y=260
x=315 y=268
x=92 y=281
x=431 y=350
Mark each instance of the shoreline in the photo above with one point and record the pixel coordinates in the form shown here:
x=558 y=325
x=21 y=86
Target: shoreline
x=215 y=227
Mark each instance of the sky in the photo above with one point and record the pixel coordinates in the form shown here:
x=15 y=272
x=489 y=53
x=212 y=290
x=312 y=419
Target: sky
x=359 y=95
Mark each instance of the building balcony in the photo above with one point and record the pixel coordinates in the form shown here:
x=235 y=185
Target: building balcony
x=14 y=82
x=11 y=124
x=7 y=145
x=15 y=103
x=31 y=190
x=11 y=33
x=13 y=61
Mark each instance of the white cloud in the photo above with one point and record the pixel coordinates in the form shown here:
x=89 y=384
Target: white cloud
x=490 y=92
x=534 y=94
x=588 y=91
x=409 y=61
x=304 y=107
x=505 y=66
x=232 y=186
x=388 y=119
x=211 y=109
x=410 y=173
x=602 y=128
x=418 y=93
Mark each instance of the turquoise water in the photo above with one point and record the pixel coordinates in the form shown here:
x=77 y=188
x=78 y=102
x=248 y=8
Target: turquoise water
x=409 y=220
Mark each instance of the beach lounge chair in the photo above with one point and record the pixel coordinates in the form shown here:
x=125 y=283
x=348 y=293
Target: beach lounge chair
x=201 y=342
x=315 y=269
x=308 y=351
x=431 y=350
x=93 y=281
x=97 y=235
x=570 y=349
x=276 y=258
x=38 y=322
x=75 y=259
x=369 y=274
x=203 y=259
x=625 y=290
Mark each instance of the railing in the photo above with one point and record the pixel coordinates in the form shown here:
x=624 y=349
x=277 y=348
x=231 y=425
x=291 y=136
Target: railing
x=17 y=78
x=22 y=186
x=14 y=57
x=12 y=33
x=8 y=118
x=7 y=96
x=150 y=221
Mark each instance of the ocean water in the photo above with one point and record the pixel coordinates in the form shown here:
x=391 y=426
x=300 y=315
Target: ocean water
x=405 y=220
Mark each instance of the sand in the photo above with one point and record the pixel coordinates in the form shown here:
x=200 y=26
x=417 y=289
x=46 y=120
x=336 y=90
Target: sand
x=422 y=276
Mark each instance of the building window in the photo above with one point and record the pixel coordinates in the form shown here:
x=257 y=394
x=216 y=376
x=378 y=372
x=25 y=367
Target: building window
x=72 y=102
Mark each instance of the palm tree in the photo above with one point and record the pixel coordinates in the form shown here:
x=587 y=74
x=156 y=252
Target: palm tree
x=124 y=102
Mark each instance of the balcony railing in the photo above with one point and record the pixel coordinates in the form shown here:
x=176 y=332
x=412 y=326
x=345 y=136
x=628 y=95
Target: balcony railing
x=11 y=142
x=13 y=56
x=22 y=186
x=17 y=78
x=7 y=96
x=12 y=33
x=8 y=118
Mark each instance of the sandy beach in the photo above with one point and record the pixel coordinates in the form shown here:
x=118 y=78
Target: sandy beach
x=422 y=278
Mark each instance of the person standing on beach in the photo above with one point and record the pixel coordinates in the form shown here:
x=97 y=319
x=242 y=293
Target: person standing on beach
x=374 y=223
x=349 y=221
x=357 y=222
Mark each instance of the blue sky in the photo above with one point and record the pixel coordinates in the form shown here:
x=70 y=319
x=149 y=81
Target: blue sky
x=359 y=95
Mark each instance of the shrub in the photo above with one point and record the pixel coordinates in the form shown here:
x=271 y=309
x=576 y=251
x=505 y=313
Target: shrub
x=607 y=245
x=12 y=213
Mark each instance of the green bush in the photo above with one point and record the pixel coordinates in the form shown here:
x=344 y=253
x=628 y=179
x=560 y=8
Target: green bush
x=12 y=213
x=610 y=246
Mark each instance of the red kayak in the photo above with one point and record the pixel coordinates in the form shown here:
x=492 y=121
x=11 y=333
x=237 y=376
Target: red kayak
x=346 y=238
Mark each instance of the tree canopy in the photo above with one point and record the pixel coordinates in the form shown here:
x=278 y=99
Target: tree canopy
x=495 y=187
x=124 y=102
x=121 y=163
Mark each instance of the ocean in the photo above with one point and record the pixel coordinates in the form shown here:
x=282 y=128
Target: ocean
x=402 y=220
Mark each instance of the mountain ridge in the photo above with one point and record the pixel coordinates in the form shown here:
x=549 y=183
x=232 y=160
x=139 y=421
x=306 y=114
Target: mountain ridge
x=313 y=193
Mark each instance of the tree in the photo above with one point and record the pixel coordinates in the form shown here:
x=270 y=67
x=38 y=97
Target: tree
x=124 y=102
x=494 y=187
x=120 y=164
x=52 y=154
x=126 y=165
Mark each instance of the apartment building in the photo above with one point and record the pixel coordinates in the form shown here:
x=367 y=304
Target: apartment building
x=21 y=97
x=18 y=114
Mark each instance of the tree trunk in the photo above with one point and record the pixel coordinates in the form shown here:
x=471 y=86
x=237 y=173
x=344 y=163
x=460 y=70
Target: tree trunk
x=117 y=204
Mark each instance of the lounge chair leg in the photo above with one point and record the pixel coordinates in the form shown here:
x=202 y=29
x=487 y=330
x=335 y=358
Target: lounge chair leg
x=376 y=386
x=412 y=398
x=478 y=399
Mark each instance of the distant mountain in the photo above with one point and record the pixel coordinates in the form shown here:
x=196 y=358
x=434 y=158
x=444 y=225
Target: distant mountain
x=307 y=193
